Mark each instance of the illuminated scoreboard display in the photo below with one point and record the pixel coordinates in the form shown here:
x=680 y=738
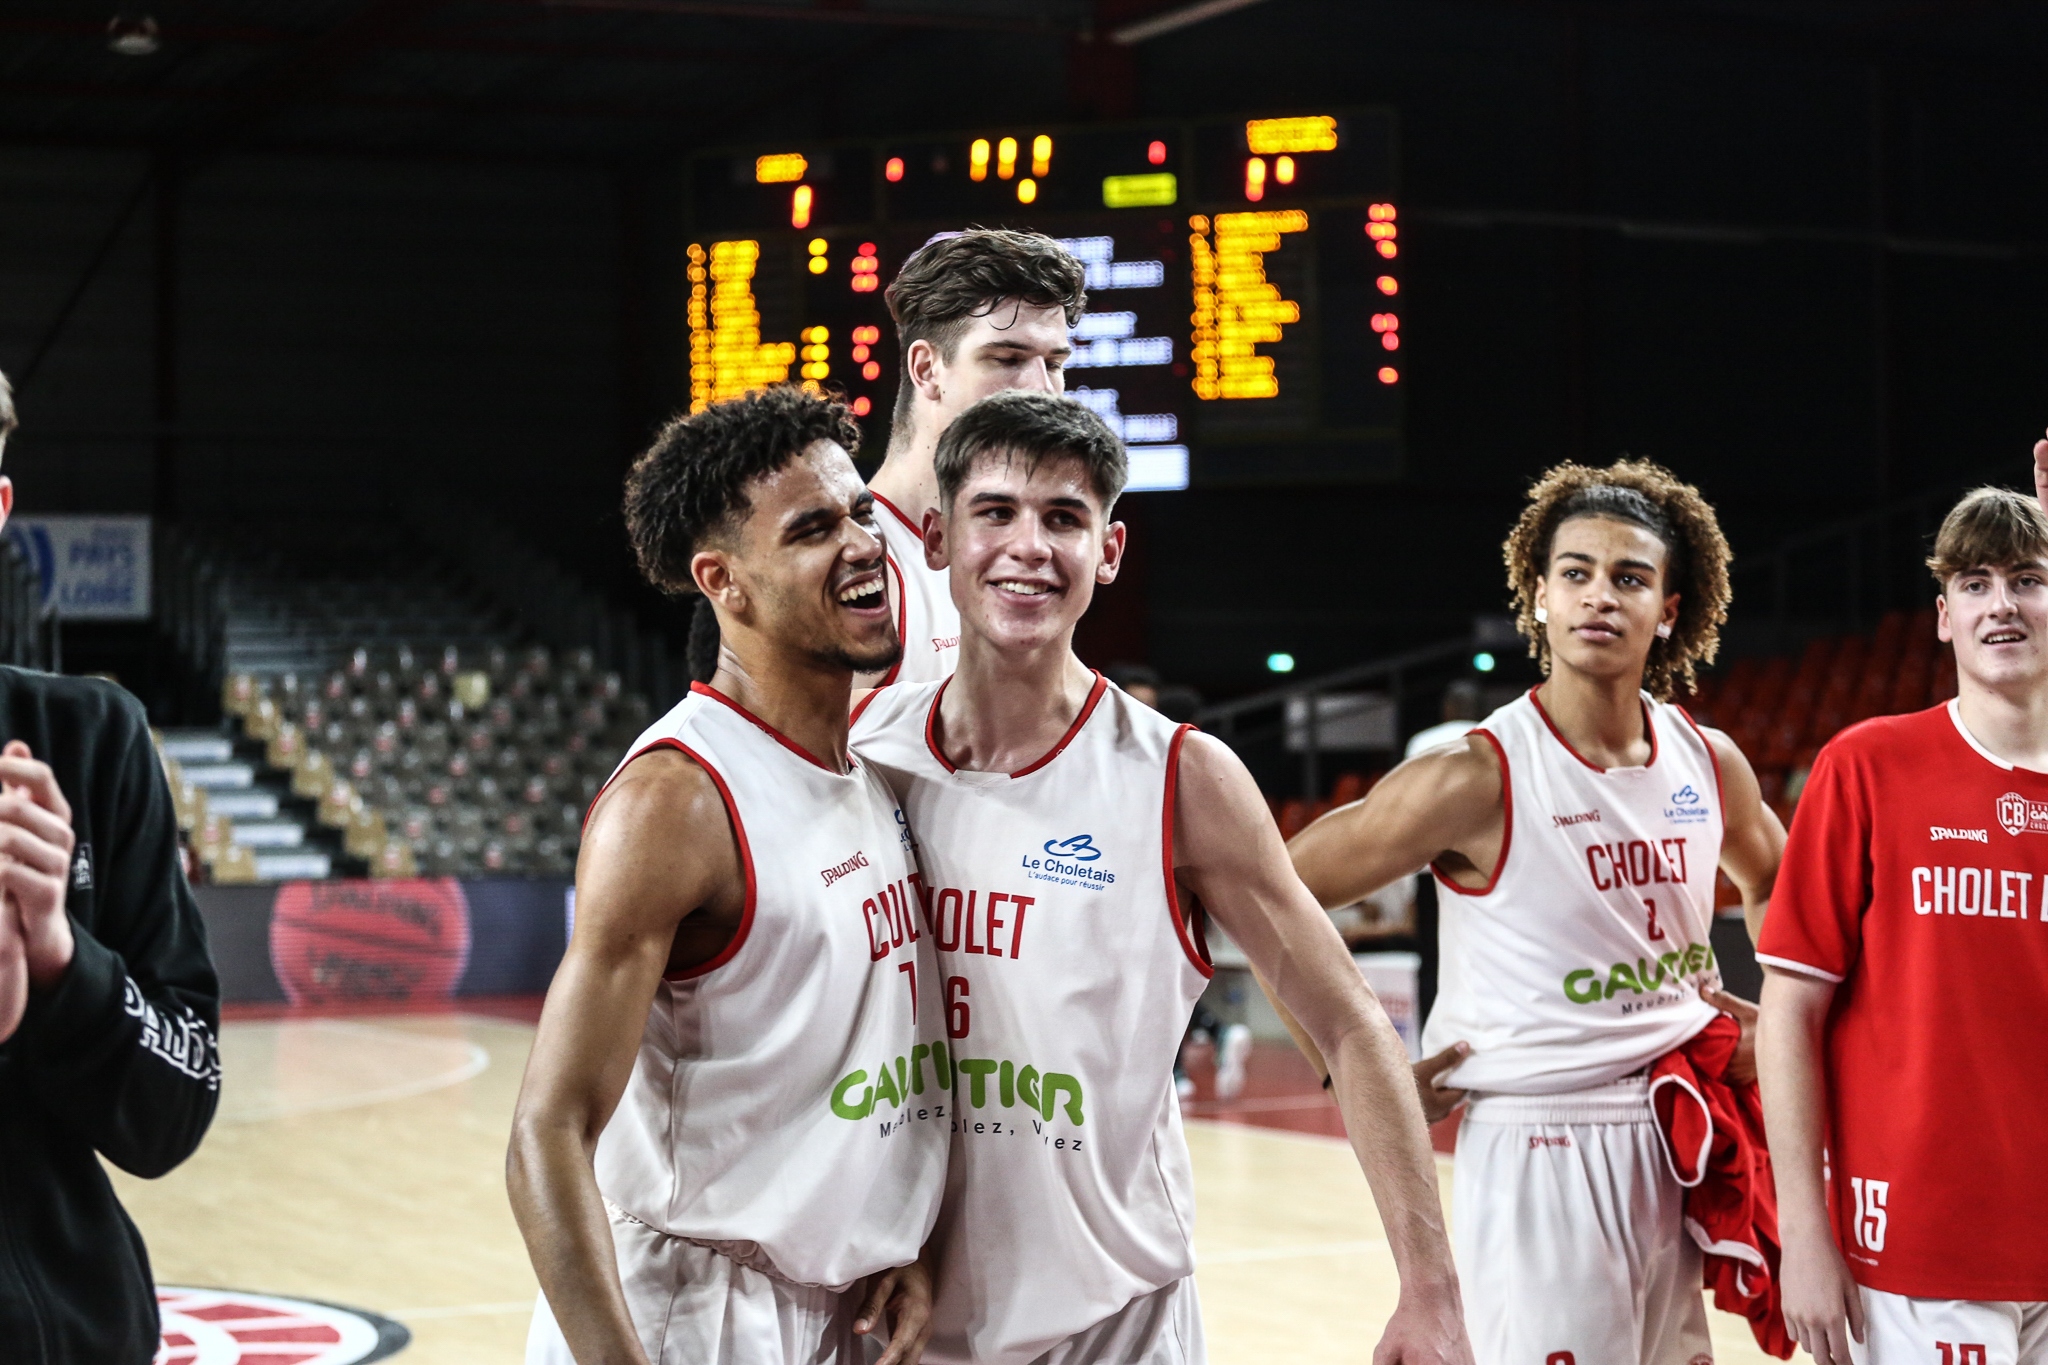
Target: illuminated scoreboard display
x=1244 y=280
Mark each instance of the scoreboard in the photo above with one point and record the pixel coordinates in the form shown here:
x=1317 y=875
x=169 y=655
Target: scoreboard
x=1244 y=278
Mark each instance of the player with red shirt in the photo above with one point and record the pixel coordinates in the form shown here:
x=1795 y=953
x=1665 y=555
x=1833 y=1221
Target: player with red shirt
x=1906 y=977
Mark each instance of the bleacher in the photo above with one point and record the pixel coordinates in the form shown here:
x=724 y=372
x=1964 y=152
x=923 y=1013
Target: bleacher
x=1781 y=710
x=384 y=714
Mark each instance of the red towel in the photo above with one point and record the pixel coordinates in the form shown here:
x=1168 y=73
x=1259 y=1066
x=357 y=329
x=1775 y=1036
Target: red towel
x=1714 y=1134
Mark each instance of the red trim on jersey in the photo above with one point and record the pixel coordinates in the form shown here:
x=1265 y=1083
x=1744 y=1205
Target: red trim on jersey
x=706 y=689
x=1712 y=757
x=897 y=512
x=739 y=834
x=902 y=619
x=862 y=705
x=1087 y=710
x=931 y=726
x=1188 y=928
x=931 y=722
x=1649 y=728
x=1507 y=837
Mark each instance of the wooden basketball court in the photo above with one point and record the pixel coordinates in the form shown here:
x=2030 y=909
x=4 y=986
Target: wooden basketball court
x=359 y=1160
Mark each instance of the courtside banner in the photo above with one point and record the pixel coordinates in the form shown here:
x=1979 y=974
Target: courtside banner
x=91 y=568
x=401 y=941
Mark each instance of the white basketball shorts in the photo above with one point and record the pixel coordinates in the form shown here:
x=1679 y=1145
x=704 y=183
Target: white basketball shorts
x=693 y=1306
x=1163 y=1327
x=1902 y=1331
x=1568 y=1229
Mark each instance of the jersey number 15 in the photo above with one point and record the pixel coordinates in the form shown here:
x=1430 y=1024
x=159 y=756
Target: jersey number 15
x=1871 y=1218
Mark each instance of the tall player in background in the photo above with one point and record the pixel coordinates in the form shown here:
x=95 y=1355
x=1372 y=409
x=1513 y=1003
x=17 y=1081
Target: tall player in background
x=1574 y=837
x=1073 y=841
x=976 y=313
x=1906 y=984
x=732 y=1131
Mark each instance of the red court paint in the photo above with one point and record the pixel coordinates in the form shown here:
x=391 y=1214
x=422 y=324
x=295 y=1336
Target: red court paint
x=230 y=1327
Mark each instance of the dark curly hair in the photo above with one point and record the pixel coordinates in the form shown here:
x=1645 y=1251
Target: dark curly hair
x=1652 y=497
x=691 y=484
x=948 y=283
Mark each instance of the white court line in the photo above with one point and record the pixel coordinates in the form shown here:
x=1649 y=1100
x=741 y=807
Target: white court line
x=461 y=1310
x=1243 y=1255
x=474 y=1061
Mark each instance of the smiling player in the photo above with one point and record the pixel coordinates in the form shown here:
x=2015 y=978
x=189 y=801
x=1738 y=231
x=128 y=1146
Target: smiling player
x=1906 y=981
x=976 y=313
x=1073 y=841
x=1574 y=837
x=746 y=1014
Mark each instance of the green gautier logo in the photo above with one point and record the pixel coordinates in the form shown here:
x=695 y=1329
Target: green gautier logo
x=1586 y=986
x=855 y=1097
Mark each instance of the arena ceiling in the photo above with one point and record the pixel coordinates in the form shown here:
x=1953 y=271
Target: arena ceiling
x=611 y=79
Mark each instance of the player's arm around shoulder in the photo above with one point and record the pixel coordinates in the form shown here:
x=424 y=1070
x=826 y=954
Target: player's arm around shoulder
x=658 y=850
x=1752 y=837
x=1442 y=805
x=1229 y=855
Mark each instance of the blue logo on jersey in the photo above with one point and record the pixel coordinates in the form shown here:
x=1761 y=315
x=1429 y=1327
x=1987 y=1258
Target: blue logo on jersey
x=1073 y=861
x=1687 y=807
x=1081 y=848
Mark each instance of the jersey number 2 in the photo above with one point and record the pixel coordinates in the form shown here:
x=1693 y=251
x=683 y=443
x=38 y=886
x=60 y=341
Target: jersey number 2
x=1656 y=929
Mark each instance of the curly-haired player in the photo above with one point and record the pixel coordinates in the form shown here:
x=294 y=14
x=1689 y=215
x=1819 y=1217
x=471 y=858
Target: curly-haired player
x=711 y=1160
x=1575 y=836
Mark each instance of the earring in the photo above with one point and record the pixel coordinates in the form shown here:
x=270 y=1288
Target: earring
x=1542 y=616
x=1663 y=630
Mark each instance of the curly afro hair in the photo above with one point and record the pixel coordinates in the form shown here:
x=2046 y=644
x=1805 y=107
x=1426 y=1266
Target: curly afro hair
x=691 y=484
x=1652 y=497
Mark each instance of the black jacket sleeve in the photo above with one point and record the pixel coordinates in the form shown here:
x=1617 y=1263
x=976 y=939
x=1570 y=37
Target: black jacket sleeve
x=123 y=1048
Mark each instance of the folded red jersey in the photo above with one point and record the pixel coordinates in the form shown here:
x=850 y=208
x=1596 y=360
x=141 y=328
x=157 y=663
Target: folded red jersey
x=1714 y=1134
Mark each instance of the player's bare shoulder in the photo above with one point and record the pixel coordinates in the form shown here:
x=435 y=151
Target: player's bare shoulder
x=659 y=849
x=1444 y=806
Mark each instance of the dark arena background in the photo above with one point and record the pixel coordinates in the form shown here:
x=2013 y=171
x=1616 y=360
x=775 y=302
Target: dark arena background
x=334 y=327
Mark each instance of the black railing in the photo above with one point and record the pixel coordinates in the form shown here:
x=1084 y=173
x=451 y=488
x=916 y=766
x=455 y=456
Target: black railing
x=190 y=606
x=29 y=635
x=1846 y=574
x=1265 y=727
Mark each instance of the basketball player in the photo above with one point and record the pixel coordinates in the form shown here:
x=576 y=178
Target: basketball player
x=744 y=1037
x=976 y=313
x=1905 y=985
x=1574 y=836
x=1072 y=841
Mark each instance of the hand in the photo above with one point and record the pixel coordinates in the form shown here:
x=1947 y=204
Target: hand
x=1822 y=1304
x=1439 y=1100
x=13 y=973
x=35 y=861
x=1428 y=1328
x=1742 y=1066
x=905 y=1293
x=2041 y=471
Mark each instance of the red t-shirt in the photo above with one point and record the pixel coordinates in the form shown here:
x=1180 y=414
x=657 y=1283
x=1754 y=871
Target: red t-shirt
x=1916 y=875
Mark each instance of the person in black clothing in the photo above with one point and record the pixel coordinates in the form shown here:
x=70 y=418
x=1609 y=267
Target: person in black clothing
x=108 y=1011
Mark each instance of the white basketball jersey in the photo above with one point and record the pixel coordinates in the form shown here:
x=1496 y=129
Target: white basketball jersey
x=789 y=1104
x=1580 y=961
x=925 y=615
x=1070 y=967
